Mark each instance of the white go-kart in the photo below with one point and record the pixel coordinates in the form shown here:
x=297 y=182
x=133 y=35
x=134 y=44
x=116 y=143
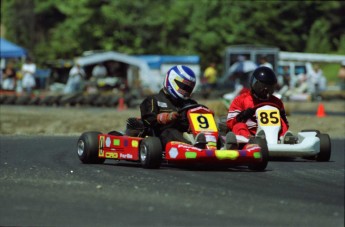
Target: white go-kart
x=309 y=144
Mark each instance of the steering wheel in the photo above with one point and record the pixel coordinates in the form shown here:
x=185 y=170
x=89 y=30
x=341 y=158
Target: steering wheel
x=266 y=103
x=183 y=113
x=190 y=106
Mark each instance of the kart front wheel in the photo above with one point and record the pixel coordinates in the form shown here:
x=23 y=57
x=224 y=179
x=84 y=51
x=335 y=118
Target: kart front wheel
x=88 y=148
x=325 y=148
x=150 y=153
x=261 y=166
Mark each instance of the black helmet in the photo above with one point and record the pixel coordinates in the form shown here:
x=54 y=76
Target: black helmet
x=263 y=82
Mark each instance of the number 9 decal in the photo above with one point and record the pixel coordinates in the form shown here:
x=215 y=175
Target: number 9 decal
x=203 y=123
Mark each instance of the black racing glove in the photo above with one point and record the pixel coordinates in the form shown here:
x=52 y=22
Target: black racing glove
x=245 y=115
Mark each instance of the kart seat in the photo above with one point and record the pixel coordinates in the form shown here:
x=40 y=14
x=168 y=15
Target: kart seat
x=135 y=127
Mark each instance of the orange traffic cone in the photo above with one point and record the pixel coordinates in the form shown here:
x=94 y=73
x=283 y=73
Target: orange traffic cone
x=320 y=111
x=122 y=105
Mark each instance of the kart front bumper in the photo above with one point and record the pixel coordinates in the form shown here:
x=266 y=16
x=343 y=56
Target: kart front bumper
x=181 y=152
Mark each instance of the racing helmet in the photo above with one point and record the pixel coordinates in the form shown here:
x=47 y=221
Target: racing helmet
x=263 y=82
x=179 y=82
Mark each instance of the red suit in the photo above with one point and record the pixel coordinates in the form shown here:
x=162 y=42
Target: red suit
x=244 y=101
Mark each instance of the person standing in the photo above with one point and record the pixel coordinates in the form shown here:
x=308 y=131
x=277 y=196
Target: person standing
x=75 y=79
x=9 y=77
x=264 y=62
x=210 y=75
x=341 y=75
x=99 y=71
x=315 y=76
x=28 y=71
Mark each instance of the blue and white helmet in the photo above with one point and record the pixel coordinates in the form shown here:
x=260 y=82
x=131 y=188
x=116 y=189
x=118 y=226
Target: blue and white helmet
x=179 y=82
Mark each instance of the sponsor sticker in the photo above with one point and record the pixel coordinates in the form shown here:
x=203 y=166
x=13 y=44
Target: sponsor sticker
x=190 y=154
x=135 y=143
x=116 y=142
x=162 y=104
x=227 y=154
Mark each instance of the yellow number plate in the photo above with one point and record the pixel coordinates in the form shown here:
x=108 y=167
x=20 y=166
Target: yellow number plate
x=203 y=122
x=268 y=118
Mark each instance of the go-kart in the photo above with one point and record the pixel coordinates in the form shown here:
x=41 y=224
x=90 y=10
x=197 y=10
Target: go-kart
x=145 y=148
x=309 y=144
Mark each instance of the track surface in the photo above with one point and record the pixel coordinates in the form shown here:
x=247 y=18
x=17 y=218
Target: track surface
x=43 y=183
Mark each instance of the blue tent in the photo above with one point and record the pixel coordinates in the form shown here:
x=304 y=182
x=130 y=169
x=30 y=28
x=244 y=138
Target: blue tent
x=10 y=50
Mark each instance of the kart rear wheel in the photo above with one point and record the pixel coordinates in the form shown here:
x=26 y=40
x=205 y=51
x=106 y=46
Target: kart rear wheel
x=261 y=166
x=88 y=148
x=150 y=153
x=325 y=148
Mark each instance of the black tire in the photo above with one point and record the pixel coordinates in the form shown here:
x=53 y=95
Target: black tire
x=150 y=153
x=87 y=148
x=261 y=166
x=325 y=148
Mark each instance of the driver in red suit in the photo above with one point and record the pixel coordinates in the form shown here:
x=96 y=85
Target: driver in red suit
x=241 y=119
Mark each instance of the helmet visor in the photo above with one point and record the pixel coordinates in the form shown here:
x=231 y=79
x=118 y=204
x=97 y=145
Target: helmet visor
x=184 y=87
x=263 y=91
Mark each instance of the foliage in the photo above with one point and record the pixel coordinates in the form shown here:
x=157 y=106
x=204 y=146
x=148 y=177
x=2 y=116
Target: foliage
x=52 y=29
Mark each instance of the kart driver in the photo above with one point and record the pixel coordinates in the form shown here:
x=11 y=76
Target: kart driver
x=241 y=119
x=159 y=112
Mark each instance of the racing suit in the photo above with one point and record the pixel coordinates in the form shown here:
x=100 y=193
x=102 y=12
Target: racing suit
x=163 y=103
x=248 y=127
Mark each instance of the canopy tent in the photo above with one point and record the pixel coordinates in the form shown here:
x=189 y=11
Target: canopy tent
x=10 y=50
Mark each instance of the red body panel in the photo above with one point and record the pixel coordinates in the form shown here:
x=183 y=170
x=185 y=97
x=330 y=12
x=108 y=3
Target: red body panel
x=181 y=152
x=118 y=147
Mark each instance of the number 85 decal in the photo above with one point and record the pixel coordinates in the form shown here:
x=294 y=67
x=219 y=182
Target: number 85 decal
x=269 y=118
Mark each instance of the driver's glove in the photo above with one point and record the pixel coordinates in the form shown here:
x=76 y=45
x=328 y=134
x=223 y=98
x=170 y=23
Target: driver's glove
x=245 y=115
x=165 y=118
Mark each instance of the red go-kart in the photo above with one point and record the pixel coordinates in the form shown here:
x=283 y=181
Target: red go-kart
x=145 y=148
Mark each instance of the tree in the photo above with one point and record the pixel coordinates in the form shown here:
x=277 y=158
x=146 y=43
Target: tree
x=53 y=29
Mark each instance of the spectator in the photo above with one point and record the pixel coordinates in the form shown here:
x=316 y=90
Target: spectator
x=264 y=62
x=210 y=76
x=75 y=79
x=28 y=71
x=316 y=80
x=341 y=75
x=286 y=76
x=240 y=72
x=99 y=71
x=9 y=77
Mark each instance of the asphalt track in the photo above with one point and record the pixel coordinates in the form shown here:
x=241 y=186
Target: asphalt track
x=43 y=183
